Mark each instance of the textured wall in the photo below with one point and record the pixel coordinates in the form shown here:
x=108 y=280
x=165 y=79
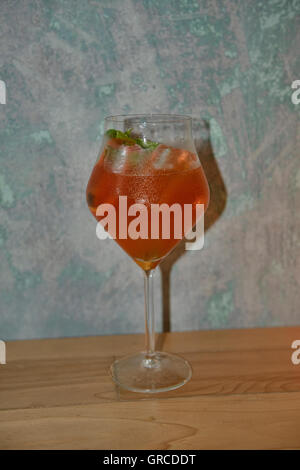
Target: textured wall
x=66 y=65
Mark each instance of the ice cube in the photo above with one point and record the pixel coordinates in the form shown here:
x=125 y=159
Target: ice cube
x=115 y=158
x=171 y=158
x=160 y=156
x=186 y=160
x=126 y=159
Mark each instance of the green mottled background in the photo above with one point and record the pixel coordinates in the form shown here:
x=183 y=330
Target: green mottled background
x=66 y=65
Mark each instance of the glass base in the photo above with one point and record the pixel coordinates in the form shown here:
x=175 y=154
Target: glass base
x=151 y=374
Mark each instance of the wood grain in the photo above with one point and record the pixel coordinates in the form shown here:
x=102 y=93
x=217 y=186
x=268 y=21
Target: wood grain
x=245 y=393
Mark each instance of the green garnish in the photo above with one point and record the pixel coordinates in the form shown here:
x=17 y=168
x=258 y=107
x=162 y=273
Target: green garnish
x=149 y=144
x=129 y=140
x=121 y=135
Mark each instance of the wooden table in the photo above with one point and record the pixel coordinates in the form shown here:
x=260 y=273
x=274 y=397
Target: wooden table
x=244 y=393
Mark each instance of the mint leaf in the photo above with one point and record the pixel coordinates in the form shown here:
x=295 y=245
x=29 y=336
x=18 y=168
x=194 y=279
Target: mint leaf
x=128 y=132
x=129 y=140
x=149 y=144
x=111 y=133
x=121 y=135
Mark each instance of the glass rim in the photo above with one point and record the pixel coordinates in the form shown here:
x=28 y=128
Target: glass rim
x=150 y=117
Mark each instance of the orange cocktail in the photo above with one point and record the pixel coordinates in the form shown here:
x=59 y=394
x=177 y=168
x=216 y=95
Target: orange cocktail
x=145 y=191
x=164 y=175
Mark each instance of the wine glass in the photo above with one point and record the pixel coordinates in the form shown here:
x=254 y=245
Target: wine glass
x=148 y=170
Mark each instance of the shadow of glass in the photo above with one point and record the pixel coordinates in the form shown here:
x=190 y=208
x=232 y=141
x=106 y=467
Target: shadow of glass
x=218 y=198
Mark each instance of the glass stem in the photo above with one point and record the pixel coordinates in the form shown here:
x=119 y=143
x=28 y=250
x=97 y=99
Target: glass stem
x=149 y=313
